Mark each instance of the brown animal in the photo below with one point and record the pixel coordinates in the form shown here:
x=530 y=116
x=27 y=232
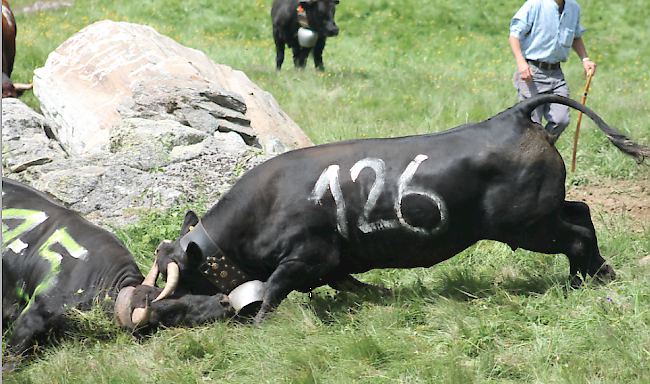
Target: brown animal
x=9 y=89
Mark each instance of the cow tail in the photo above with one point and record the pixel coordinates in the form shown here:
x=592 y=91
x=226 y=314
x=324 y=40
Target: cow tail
x=622 y=141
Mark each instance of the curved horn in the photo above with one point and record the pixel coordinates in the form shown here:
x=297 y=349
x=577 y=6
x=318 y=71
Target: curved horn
x=141 y=316
x=152 y=276
x=123 y=306
x=23 y=87
x=173 y=275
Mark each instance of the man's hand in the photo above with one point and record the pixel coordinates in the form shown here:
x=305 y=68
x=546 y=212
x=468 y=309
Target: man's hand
x=522 y=65
x=579 y=46
x=590 y=67
x=524 y=72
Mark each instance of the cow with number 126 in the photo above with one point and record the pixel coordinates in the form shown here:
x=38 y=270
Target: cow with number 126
x=316 y=215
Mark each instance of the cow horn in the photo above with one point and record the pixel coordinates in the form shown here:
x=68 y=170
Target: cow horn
x=152 y=276
x=123 y=305
x=141 y=316
x=173 y=275
x=23 y=87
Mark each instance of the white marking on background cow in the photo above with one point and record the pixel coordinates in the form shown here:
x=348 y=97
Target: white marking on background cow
x=377 y=165
x=329 y=179
x=18 y=246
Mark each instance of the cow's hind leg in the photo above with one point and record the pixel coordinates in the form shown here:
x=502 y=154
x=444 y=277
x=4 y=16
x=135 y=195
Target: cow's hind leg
x=592 y=263
x=570 y=232
x=279 y=50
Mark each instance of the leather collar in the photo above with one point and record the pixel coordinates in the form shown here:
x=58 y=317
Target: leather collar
x=219 y=269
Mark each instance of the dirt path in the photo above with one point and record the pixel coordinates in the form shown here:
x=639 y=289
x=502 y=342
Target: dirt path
x=617 y=198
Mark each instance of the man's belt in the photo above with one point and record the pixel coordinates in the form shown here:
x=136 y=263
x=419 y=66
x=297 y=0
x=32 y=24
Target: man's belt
x=545 y=66
x=215 y=266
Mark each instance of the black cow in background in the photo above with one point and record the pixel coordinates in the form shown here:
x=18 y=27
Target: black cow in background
x=320 y=19
x=53 y=260
x=315 y=215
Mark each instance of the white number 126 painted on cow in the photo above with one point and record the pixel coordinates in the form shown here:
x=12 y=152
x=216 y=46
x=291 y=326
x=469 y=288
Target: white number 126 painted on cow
x=329 y=179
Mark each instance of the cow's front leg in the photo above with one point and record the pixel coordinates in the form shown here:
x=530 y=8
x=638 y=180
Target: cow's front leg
x=307 y=265
x=29 y=325
x=318 y=53
x=279 y=285
x=300 y=55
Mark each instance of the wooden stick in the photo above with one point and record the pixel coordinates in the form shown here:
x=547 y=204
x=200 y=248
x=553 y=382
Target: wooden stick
x=575 y=142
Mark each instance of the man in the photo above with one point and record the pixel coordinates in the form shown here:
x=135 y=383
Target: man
x=542 y=33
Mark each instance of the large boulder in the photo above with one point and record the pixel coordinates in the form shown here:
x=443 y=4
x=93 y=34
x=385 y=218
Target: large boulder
x=197 y=104
x=27 y=138
x=151 y=165
x=115 y=65
x=146 y=145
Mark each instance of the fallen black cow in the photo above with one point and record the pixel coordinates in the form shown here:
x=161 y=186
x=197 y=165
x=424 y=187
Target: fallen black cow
x=314 y=216
x=317 y=16
x=53 y=260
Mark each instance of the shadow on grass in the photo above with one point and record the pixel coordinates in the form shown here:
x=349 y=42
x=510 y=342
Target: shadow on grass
x=459 y=285
x=464 y=285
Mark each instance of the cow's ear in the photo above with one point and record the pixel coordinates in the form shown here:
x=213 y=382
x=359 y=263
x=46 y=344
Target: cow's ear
x=191 y=220
x=194 y=255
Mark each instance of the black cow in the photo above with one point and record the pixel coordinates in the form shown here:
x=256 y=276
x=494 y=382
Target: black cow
x=314 y=216
x=320 y=19
x=53 y=260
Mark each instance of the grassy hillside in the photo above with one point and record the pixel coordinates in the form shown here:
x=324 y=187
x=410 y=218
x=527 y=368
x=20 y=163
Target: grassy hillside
x=397 y=68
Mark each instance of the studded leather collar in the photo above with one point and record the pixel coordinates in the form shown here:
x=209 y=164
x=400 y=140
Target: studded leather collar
x=216 y=266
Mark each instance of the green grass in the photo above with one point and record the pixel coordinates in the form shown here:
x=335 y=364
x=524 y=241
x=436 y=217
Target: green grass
x=397 y=68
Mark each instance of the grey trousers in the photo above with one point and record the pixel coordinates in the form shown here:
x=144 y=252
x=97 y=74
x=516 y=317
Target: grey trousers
x=546 y=81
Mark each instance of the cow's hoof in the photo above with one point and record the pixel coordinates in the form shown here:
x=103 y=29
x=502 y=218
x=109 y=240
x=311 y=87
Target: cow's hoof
x=576 y=281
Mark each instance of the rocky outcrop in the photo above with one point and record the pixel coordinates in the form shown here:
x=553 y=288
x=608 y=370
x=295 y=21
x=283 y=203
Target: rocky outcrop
x=134 y=121
x=110 y=70
x=197 y=104
x=150 y=165
x=27 y=138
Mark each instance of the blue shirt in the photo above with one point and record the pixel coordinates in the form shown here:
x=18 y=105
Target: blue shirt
x=544 y=33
